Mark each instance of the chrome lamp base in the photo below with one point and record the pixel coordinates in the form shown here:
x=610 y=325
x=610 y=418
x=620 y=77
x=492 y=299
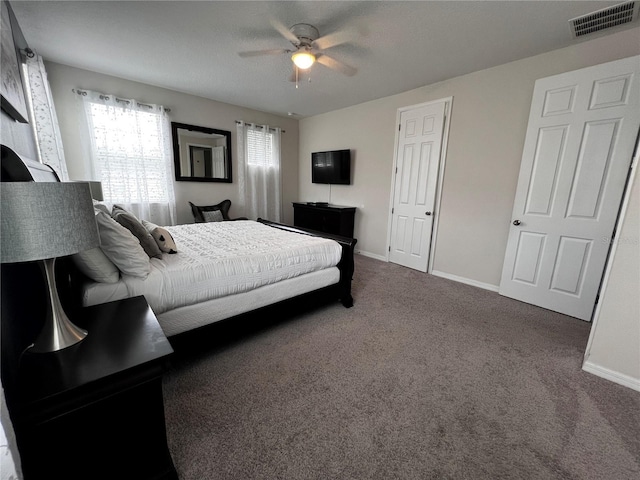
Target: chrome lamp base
x=58 y=332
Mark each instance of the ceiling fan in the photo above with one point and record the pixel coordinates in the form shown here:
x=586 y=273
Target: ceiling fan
x=309 y=48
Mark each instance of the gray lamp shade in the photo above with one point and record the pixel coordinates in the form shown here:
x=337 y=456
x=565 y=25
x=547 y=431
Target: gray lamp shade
x=42 y=220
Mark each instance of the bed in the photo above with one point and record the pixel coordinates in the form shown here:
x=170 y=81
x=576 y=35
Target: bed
x=224 y=269
x=221 y=269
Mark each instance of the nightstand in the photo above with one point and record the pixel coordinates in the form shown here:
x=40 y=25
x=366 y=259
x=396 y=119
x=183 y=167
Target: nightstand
x=95 y=410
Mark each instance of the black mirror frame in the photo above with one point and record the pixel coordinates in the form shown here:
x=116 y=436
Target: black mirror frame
x=176 y=152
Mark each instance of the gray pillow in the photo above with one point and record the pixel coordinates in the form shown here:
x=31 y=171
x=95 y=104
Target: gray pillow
x=131 y=223
x=213 y=216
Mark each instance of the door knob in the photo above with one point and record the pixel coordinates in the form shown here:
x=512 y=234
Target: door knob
x=427 y=213
x=516 y=222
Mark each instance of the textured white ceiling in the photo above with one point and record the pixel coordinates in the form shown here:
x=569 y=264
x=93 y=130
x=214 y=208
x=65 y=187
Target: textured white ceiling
x=193 y=47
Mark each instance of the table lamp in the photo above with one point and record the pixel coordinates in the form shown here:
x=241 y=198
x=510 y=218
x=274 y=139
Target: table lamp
x=43 y=221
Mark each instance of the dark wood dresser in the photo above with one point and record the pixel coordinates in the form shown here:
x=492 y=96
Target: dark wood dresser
x=328 y=218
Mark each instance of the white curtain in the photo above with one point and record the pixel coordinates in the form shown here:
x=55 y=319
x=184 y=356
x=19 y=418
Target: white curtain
x=45 y=120
x=259 y=170
x=130 y=151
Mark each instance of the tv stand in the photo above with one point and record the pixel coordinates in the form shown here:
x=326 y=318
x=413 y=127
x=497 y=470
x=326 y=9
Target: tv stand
x=324 y=217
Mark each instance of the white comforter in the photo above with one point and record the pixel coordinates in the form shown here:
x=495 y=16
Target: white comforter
x=223 y=258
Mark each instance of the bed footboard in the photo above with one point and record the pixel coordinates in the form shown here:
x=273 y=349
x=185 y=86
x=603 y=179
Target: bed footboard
x=346 y=265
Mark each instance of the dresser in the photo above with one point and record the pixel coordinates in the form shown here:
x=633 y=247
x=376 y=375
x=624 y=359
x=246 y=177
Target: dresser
x=327 y=218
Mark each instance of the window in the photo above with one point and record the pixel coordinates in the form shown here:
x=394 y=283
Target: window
x=131 y=155
x=260 y=149
x=129 y=145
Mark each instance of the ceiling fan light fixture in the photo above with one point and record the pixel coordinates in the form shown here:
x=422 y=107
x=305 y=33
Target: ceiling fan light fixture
x=303 y=60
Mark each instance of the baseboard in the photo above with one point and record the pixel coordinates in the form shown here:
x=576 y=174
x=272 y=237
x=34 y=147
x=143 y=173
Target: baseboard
x=437 y=273
x=616 y=377
x=468 y=281
x=371 y=255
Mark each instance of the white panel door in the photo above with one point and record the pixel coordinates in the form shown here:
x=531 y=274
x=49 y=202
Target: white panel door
x=582 y=131
x=416 y=178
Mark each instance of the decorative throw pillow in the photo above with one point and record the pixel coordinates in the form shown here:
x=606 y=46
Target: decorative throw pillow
x=130 y=222
x=122 y=247
x=96 y=265
x=162 y=237
x=213 y=216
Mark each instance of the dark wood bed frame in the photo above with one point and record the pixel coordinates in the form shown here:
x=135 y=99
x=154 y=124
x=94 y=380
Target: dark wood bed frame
x=346 y=265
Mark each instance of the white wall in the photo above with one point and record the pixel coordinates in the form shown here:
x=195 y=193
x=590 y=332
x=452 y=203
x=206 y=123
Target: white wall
x=614 y=343
x=184 y=109
x=488 y=125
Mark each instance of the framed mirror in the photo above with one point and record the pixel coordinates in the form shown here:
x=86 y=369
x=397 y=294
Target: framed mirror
x=201 y=154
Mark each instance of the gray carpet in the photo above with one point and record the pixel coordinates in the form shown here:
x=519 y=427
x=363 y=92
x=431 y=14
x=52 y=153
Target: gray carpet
x=424 y=378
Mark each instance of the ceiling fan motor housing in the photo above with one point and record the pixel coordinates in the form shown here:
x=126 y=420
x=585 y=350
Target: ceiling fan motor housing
x=306 y=33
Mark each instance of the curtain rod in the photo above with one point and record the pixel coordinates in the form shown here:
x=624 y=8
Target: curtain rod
x=240 y=121
x=121 y=100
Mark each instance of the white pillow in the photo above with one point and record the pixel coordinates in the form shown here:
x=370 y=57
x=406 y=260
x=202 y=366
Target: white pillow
x=96 y=265
x=101 y=206
x=122 y=247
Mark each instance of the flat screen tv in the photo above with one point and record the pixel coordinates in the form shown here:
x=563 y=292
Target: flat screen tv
x=332 y=167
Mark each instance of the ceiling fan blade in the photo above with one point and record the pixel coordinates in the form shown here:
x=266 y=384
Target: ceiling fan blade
x=335 y=38
x=258 y=53
x=334 y=64
x=285 y=32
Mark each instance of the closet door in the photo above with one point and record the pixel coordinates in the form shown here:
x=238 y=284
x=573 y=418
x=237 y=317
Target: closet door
x=418 y=150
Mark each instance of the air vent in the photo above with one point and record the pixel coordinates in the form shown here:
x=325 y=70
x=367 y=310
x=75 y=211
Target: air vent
x=606 y=18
